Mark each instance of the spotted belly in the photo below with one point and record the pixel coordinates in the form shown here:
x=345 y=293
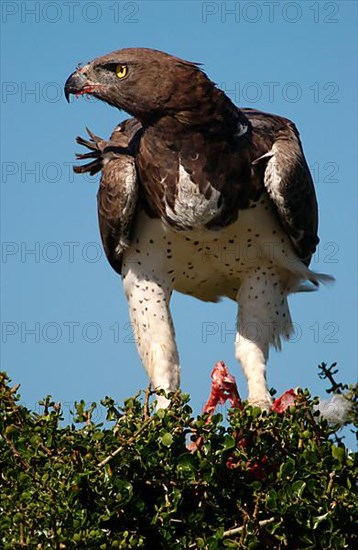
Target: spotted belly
x=210 y=264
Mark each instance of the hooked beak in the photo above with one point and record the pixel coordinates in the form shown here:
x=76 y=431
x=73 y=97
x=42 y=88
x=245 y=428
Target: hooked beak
x=78 y=84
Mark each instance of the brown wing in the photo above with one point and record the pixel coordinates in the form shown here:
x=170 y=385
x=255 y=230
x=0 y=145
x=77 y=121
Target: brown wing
x=118 y=192
x=288 y=180
x=117 y=199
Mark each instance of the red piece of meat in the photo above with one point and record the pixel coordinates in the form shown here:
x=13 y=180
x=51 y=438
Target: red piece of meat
x=286 y=400
x=223 y=387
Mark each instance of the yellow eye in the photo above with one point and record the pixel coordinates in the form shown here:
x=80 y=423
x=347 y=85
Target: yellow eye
x=121 y=70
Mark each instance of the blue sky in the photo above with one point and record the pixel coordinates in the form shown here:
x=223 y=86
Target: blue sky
x=64 y=318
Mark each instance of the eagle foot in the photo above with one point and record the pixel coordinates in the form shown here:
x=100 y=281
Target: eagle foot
x=263 y=403
x=96 y=146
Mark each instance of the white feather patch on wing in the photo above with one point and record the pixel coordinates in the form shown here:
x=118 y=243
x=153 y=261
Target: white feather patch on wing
x=273 y=179
x=131 y=188
x=241 y=129
x=191 y=208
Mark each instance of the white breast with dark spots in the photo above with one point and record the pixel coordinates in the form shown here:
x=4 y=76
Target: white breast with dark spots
x=191 y=207
x=209 y=264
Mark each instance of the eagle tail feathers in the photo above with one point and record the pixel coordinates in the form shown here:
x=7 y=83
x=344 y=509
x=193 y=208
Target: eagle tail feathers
x=317 y=278
x=312 y=283
x=301 y=275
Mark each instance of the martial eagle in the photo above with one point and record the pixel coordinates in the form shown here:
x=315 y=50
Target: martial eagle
x=202 y=197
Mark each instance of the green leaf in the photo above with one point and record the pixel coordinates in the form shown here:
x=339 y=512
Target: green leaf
x=287 y=468
x=167 y=439
x=318 y=519
x=230 y=543
x=123 y=490
x=229 y=442
x=298 y=488
x=207 y=448
x=338 y=453
x=186 y=462
x=308 y=540
x=256 y=412
x=310 y=456
x=271 y=500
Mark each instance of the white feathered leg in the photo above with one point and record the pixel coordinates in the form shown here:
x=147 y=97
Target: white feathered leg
x=148 y=302
x=263 y=317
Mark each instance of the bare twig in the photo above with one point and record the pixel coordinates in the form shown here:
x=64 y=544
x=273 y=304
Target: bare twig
x=328 y=372
x=22 y=537
x=146 y=413
x=117 y=426
x=330 y=482
x=237 y=530
x=16 y=453
x=256 y=509
x=128 y=442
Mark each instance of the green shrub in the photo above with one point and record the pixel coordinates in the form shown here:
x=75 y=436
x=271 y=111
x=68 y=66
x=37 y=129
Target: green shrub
x=252 y=481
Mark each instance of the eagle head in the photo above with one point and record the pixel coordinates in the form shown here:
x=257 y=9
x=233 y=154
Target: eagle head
x=143 y=82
